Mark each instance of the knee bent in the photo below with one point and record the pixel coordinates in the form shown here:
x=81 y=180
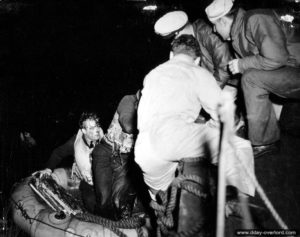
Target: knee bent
x=250 y=76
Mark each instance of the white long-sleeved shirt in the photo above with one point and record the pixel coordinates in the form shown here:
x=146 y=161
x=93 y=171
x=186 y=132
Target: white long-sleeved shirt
x=172 y=98
x=177 y=89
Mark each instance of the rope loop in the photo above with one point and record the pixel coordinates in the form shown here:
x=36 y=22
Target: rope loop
x=168 y=199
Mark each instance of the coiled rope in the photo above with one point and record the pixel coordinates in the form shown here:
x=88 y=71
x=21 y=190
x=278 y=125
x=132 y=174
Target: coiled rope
x=163 y=211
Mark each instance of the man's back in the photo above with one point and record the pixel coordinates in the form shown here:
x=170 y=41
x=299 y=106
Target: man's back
x=177 y=89
x=172 y=97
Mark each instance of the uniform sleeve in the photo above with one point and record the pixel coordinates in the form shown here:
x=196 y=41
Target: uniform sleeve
x=61 y=153
x=127 y=113
x=266 y=34
x=221 y=55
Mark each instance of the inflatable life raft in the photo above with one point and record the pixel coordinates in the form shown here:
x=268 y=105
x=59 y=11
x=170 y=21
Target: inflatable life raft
x=35 y=216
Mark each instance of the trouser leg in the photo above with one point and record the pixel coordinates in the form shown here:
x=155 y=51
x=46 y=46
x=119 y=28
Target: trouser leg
x=193 y=210
x=257 y=86
x=262 y=123
x=123 y=193
x=103 y=176
x=188 y=210
x=88 y=196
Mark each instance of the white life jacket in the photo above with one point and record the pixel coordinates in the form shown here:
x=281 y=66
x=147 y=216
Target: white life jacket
x=82 y=154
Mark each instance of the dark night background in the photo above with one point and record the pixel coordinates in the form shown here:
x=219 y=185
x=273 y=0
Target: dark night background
x=61 y=57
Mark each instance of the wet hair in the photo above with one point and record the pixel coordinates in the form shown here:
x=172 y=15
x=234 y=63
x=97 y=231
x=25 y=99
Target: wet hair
x=186 y=44
x=88 y=116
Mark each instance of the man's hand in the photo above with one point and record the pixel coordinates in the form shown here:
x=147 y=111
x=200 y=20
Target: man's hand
x=234 y=66
x=42 y=172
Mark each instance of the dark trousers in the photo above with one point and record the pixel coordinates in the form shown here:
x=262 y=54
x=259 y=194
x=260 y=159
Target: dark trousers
x=195 y=211
x=103 y=178
x=123 y=193
x=257 y=86
x=88 y=196
x=114 y=192
x=193 y=215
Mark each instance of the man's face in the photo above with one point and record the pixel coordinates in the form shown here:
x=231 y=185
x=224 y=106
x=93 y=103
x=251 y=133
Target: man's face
x=222 y=26
x=91 y=130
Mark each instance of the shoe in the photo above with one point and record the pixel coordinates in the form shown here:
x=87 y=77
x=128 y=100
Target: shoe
x=259 y=151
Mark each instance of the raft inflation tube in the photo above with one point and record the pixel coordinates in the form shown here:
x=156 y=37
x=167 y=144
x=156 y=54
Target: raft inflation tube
x=36 y=217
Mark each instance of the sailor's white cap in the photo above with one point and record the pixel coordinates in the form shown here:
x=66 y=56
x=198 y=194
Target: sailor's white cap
x=170 y=23
x=218 y=8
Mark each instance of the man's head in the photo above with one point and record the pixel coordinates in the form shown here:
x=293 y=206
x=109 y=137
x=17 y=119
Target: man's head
x=186 y=44
x=90 y=126
x=221 y=14
x=171 y=24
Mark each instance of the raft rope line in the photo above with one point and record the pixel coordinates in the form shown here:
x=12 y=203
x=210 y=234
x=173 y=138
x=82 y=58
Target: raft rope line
x=164 y=211
x=130 y=223
x=19 y=206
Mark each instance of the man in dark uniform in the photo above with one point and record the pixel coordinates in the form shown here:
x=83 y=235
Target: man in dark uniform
x=268 y=52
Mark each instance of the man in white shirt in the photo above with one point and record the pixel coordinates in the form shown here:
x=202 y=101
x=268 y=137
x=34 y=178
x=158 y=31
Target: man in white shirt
x=79 y=146
x=172 y=97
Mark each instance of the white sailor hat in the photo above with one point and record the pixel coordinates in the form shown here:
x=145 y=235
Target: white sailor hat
x=170 y=23
x=218 y=8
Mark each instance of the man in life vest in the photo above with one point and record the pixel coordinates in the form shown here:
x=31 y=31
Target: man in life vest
x=80 y=146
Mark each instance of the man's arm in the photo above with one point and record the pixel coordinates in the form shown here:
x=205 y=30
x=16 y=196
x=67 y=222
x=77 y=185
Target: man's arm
x=214 y=50
x=60 y=153
x=127 y=113
x=221 y=55
x=268 y=37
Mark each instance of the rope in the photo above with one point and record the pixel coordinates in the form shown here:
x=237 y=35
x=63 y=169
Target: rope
x=24 y=213
x=130 y=223
x=163 y=211
x=140 y=232
x=192 y=178
x=182 y=182
x=262 y=193
x=252 y=177
x=192 y=189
